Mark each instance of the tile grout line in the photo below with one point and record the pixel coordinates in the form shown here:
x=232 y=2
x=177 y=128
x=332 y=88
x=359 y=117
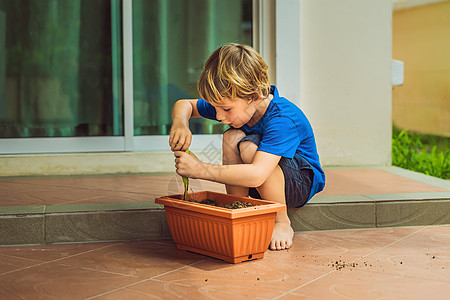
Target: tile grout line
x=370 y=253
x=176 y=283
x=144 y=280
x=180 y=268
x=55 y=260
x=109 y=272
x=102 y=271
x=179 y=284
x=40 y=263
x=231 y=293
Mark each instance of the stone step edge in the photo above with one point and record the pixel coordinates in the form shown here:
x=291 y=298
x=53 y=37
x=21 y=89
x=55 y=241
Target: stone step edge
x=147 y=221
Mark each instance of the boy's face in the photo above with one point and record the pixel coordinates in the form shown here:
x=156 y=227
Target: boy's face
x=236 y=112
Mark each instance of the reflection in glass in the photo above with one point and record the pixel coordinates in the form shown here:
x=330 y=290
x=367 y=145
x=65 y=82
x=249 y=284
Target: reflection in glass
x=59 y=73
x=171 y=41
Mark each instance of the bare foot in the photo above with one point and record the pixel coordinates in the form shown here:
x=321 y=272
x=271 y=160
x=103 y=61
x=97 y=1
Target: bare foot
x=282 y=236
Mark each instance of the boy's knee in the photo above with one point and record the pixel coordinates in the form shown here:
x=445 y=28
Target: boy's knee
x=231 y=138
x=247 y=151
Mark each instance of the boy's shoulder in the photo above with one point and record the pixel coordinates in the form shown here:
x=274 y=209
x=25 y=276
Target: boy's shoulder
x=284 y=108
x=281 y=102
x=283 y=113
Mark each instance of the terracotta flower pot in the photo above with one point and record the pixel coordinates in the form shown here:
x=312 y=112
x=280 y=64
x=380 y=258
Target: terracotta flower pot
x=233 y=235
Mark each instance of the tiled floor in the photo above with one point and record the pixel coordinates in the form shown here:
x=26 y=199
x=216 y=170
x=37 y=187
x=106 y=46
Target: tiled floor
x=126 y=189
x=379 y=263
x=372 y=181
x=88 y=190
x=384 y=263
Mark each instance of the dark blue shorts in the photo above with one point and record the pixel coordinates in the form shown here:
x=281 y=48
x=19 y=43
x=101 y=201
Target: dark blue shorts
x=298 y=176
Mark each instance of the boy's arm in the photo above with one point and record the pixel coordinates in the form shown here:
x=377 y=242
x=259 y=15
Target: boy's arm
x=185 y=109
x=180 y=135
x=248 y=175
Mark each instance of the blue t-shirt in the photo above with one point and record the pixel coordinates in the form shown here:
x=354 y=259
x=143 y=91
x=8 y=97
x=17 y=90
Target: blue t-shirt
x=285 y=131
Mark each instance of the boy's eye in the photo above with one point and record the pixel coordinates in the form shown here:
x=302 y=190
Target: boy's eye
x=226 y=109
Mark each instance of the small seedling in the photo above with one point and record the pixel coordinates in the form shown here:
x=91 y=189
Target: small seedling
x=186 y=183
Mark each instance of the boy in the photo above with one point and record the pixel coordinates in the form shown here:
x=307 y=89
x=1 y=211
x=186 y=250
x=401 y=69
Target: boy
x=269 y=152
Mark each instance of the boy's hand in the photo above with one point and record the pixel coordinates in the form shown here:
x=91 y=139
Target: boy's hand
x=180 y=138
x=187 y=164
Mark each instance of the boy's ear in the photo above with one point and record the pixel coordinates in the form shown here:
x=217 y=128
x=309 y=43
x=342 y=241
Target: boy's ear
x=254 y=98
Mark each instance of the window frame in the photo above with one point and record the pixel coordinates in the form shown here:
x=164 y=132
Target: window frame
x=128 y=142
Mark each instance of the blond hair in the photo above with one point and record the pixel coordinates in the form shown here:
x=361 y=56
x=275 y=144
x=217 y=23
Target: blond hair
x=232 y=71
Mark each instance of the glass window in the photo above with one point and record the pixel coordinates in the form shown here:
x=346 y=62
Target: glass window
x=60 y=68
x=171 y=41
x=61 y=63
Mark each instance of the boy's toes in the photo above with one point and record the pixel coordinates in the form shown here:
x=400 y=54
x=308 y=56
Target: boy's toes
x=279 y=245
x=272 y=245
x=281 y=237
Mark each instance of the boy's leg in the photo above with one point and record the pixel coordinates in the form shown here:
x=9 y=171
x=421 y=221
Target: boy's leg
x=230 y=156
x=272 y=189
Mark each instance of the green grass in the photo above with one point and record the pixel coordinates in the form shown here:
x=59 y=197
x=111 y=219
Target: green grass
x=426 y=154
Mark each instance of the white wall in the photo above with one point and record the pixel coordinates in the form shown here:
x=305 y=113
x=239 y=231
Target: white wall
x=288 y=49
x=345 y=77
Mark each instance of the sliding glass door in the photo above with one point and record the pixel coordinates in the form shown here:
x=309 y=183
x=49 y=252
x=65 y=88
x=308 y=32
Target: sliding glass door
x=102 y=75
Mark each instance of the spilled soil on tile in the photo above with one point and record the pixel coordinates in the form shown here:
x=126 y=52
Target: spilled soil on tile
x=342 y=264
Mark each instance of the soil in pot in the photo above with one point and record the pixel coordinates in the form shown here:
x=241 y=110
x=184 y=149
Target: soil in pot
x=212 y=202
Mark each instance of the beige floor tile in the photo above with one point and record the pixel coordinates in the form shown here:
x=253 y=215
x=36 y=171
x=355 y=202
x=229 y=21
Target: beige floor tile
x=371 y=181
x=356 y=284
x=152 y=289
x=144 y=259
x=9 y=264
x=49 y=253
x=54 y=281
x=388 y=263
